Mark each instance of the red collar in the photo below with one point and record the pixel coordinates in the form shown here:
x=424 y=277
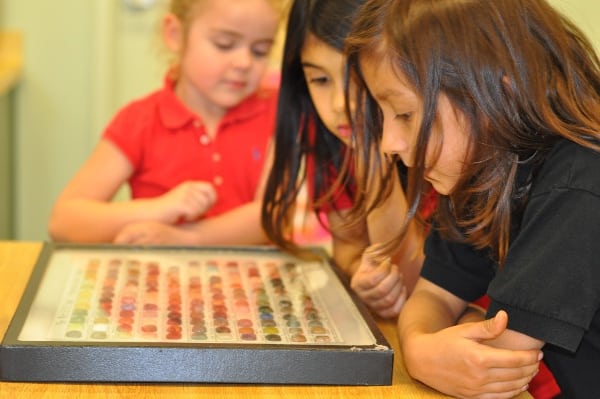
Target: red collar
x=175 y=115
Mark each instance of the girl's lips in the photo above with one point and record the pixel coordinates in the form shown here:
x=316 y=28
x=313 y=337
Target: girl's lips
x=344 y=131
x=236 y=84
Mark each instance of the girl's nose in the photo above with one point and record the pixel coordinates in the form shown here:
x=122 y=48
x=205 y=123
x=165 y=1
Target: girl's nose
x=338 y=101
x=393 y=142
x=243 y=58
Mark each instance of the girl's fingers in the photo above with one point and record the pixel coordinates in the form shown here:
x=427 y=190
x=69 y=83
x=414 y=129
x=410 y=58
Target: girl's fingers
x=380 y=281
x=368 y=277
x=369 y=257
x=389 y=299
x=388 y=287
x=507 y=383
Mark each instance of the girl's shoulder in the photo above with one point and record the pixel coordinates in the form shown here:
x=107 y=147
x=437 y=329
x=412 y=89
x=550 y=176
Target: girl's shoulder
x=137 y=119
x=571 y=166
x=266 y=95
x=259 y=108
x=140 y=107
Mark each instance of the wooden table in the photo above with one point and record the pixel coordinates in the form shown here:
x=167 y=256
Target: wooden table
x=18 y=258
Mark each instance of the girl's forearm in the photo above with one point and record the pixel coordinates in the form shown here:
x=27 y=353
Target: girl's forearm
x=239 y=226
x=423 y=313
x=84 y=220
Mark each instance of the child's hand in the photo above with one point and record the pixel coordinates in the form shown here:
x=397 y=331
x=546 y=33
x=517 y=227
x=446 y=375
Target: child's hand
x=379 y=284
x=457 y=361
x=187 y=201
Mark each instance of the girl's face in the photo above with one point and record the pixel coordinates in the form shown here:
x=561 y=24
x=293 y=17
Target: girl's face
x=402 y=113
x=324 y=73
x=224 y=53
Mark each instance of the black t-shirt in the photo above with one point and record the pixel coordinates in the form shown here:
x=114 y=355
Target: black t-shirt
x=550 y=283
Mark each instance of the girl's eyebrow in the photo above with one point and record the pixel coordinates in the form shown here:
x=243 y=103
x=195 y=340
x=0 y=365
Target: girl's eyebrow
x=234 y=34
x=387 y=93
x=383 y=96
x=224 y=31
x=311 y=65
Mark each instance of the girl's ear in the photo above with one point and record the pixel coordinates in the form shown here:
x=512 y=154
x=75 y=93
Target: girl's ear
x=172 y=32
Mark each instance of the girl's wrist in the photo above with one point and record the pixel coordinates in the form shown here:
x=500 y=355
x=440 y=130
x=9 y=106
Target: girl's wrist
x=412 y=353
x=472 y=313
x=162 y=213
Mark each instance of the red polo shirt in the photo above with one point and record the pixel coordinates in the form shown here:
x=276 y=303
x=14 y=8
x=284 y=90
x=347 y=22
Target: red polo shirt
x=167 y=144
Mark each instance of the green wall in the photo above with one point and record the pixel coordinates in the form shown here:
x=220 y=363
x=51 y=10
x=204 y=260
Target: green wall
x=70 y=89
x=585 y=13
x=52 y=103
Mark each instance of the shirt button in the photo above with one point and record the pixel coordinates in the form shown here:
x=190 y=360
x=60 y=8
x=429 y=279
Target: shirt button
x=218 y=180
x=204 y=139
x=216 y=157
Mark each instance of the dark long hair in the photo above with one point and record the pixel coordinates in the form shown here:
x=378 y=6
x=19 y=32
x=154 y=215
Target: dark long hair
x=523 y=75
x=300 y=133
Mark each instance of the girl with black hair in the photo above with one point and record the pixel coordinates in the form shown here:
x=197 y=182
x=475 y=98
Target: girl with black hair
x=312 y=144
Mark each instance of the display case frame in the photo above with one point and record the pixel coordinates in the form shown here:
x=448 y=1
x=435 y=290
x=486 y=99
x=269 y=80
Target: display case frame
x=350 y=358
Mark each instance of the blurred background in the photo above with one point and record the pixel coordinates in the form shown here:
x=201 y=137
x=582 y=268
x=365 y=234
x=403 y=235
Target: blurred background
x=65 y=67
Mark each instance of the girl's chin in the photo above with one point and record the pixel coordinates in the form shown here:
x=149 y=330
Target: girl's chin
x=343 y=139
x=438 y=186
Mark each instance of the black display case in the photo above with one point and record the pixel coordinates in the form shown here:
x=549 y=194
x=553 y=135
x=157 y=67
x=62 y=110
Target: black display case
x=248 y=315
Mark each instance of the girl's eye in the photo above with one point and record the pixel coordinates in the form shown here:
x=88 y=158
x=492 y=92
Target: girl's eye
x=224 y=45
x=403 y=117
x=260 y=53
x=318 y=80
x=262 y=49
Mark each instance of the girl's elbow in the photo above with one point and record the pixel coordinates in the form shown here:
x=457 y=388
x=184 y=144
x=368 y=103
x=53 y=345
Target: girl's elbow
x=56 y=230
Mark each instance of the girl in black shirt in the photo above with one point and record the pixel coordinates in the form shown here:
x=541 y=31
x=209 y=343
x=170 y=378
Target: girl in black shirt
x=497 y=105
